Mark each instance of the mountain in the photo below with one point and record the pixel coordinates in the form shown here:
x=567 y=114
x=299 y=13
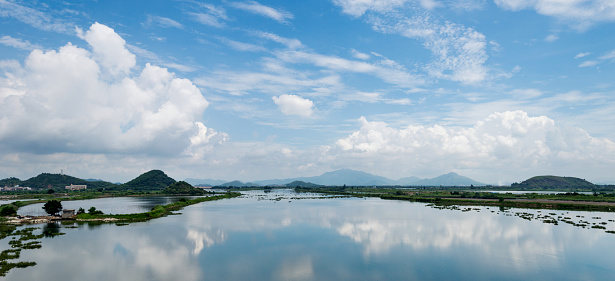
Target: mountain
x=183 y=188
x=301 y=184
x=152 y=180
x=407 y=181
x=92 y=180
x=450 y=179
x=10 y=182
x=354 y=178
x=60 y=181
x=553 y=182
x=238 y=184
x=205 y=182
x=339 y=177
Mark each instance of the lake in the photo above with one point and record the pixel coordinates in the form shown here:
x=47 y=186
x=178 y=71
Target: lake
x=276 y=236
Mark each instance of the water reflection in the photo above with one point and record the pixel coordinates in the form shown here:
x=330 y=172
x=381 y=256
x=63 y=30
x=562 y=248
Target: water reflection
x=328 y=239
x=51 y=230
x=112 y=205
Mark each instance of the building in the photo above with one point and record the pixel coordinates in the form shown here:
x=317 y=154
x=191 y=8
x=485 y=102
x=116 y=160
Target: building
x=67 y=214
x=76 y=187
x=15 y=188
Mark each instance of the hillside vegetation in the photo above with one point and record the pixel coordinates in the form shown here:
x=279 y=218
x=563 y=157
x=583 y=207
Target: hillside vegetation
x=183 y=188
x=56 y=181
x=553 y=182
x=150 y=181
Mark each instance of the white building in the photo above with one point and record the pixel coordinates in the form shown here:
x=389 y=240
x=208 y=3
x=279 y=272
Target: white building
x=76 y=187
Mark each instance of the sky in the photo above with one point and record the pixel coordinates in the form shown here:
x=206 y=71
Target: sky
x=498 y=91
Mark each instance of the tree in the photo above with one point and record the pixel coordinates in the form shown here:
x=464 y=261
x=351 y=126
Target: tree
x=94 y=211
x=52 y=207
x=8 y=210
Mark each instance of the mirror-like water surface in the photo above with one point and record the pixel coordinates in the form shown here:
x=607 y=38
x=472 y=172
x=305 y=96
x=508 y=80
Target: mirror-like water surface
x=277 y=237
x=112 y=205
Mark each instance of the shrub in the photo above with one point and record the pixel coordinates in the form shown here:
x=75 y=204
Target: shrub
x=8 y=210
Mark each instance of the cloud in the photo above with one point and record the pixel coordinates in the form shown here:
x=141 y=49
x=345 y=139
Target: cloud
x=358 y=8
x=109 y=49
x=205 y=140
x=213 y=16
x=60 y=101
x=242 y=83
x=241 y=46
x=387 y=70
x=289 y=43
x=33 y=17
x=467 y=5
x=254 y=7
x=18 y=43
x=294 y=105
x=580 y=14
x=589 y=63
x=608 y=56
x=180 y=67
x=580 y=55
x=509 y=140
x=359 y=55
x=374 y=97
x=526 y=93
x=459 y=52
x=551 y=38
x=162 y=22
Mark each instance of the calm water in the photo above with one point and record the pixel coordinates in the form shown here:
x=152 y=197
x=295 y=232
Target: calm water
x=257 y=237
x=114 y=205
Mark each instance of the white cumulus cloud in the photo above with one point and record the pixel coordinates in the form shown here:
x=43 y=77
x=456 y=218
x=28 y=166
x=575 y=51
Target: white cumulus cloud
x=294 y=105
x=509 y=140
x=109 y=49
x=61 y=101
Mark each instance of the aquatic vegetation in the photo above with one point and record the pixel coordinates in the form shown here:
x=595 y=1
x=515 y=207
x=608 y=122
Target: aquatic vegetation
x=17 y=244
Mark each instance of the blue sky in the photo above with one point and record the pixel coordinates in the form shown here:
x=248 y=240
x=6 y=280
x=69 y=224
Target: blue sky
x=498 y=91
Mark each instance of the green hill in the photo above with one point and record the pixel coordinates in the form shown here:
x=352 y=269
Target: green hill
x=59 y=181
x=183 y=188
x=152 y=180
x=553 y=182
x=10 y=182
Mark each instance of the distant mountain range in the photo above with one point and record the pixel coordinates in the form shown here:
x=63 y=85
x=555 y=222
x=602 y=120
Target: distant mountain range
x=350 y=178
x=157 y=180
